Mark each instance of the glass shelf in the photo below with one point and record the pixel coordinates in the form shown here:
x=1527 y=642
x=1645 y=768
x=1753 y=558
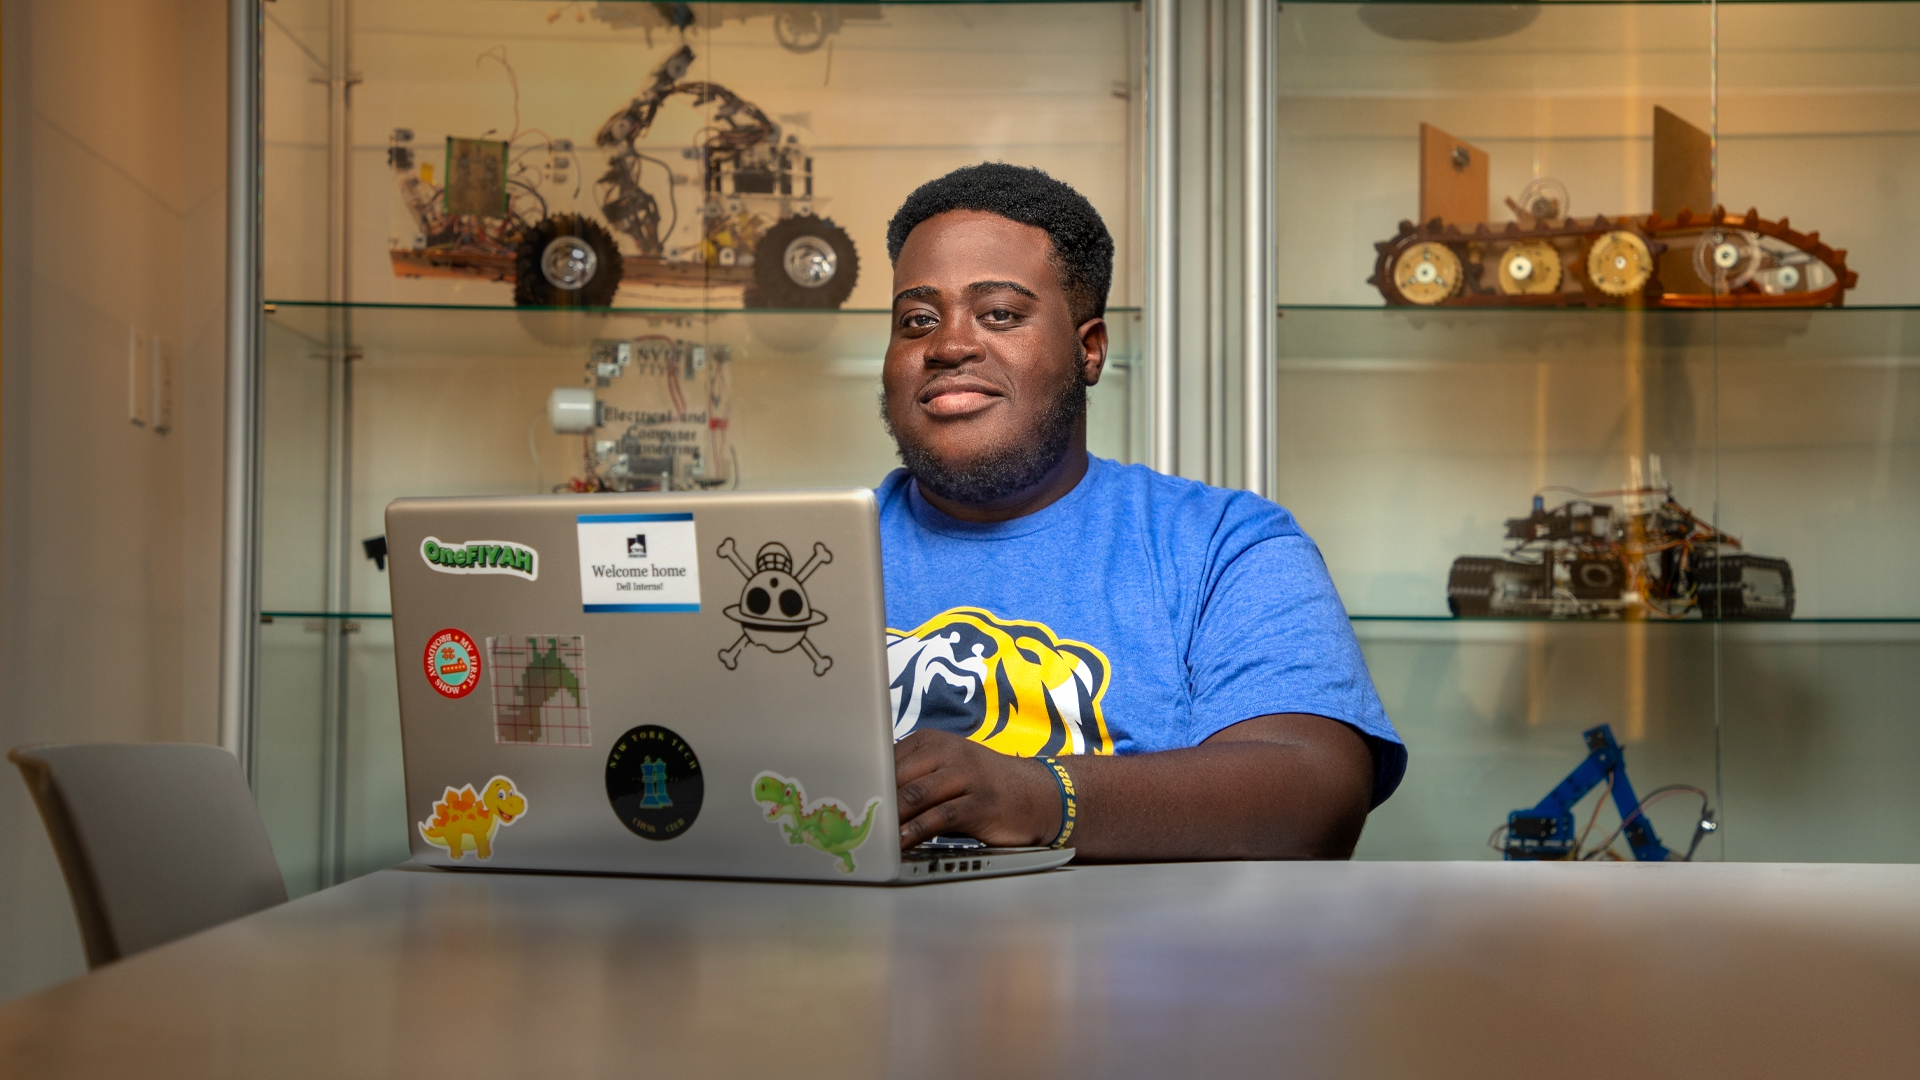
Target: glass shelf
x=1539 y=3
x=1814 y=106
x=270 y=615
x=272 y=306
x=453 y=401
x=1051 y=85
x=1452 y=621
x=1797 y=431
x=1316 y=335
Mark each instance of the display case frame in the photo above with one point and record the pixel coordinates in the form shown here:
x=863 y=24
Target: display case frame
x=1402 y=437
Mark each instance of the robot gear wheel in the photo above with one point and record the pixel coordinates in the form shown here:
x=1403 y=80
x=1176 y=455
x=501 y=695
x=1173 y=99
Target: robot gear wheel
x=1725 y=259
x=1619 y=263
x=1530 y=267
x=1427 y=273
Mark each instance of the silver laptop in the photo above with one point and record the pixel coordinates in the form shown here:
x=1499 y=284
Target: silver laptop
x=691 y=684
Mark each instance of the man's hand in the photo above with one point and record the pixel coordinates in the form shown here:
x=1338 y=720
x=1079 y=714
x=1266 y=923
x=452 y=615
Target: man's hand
x=1287 y=786
x=951 y=786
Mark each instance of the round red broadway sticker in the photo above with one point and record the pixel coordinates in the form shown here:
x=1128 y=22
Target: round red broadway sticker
x=453 y=663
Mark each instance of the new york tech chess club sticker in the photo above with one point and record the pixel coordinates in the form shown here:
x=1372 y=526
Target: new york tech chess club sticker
x=453 y=663
x=654 y=782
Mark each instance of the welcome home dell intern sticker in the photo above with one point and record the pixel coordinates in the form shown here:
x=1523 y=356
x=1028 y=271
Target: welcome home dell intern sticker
x=639 y=562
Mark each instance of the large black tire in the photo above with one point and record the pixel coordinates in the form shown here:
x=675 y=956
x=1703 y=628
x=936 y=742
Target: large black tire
x=803 y=262
x=584 y=269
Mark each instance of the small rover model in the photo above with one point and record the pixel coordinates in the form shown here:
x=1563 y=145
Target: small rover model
x=506 y=209
x=1652 y=559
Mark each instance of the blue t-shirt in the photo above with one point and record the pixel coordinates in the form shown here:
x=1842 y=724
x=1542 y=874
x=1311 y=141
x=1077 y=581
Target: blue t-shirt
x=1140 y=612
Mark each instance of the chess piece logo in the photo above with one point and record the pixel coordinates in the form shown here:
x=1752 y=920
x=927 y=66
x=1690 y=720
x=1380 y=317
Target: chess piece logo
x=774 y=611
x=654 y=782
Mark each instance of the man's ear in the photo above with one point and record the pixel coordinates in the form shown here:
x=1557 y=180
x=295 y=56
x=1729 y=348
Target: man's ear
x=1093 y=339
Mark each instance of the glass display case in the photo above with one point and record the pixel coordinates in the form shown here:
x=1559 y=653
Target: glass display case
x=1438 y=400
x=1578 y=447
x=736 y=163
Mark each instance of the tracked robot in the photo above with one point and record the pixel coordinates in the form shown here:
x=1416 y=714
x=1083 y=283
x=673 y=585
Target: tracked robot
x=1688 y=253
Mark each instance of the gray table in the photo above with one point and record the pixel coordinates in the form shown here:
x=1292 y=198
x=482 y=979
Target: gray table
x=1361 y=969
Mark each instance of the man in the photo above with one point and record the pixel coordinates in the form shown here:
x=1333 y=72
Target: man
x=1088 y=653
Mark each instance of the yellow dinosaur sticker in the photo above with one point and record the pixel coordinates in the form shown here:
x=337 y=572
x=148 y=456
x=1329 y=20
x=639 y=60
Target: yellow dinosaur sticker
x=826 y=825
x=463 y=821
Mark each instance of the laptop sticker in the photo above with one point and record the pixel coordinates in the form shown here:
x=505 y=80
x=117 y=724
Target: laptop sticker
x=654 y=782
x=481 y=557
x=453 y=663
x=774 y=611
x=463 y=821
x=825 y=826
x=638 y=562
x=540 y=690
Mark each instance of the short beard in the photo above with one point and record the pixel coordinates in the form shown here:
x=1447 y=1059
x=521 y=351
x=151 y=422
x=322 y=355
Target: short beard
x=1000 y=472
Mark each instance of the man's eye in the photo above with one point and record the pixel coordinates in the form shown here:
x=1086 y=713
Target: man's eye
x=999 y=315
x=917 y=320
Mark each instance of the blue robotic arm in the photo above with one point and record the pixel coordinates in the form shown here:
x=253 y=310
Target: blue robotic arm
x=1547 y=831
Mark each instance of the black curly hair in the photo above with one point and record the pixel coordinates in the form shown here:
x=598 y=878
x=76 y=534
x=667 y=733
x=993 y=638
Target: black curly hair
x=1082 y=247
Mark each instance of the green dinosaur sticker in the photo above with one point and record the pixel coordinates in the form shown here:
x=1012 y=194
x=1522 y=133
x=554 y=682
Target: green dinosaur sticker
x=826 y=825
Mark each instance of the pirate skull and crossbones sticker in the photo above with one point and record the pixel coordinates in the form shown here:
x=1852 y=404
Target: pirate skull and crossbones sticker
x=774 y=611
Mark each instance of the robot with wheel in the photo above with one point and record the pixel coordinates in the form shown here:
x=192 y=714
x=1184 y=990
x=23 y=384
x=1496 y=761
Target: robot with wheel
x=500 y=214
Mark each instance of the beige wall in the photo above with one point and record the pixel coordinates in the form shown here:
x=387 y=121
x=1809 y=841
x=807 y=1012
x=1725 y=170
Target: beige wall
x=115 y=132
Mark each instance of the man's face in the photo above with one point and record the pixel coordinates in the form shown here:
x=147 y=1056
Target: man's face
x=986 y=373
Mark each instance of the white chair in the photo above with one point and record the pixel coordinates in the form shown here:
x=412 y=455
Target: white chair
x=157 y=840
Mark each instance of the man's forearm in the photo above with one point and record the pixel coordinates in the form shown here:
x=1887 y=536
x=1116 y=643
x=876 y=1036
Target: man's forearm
x=1276 y=787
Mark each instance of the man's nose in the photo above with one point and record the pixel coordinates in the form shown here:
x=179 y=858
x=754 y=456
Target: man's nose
x=954 y=342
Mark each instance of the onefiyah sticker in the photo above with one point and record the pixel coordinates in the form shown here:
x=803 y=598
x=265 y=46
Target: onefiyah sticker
x=481 y=557
x=462 y=821
x=654 y=782
x=825 y=825
x=453 y=663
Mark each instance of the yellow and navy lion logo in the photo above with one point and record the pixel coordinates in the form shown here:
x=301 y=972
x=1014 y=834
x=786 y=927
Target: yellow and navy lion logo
x=1012 y=685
